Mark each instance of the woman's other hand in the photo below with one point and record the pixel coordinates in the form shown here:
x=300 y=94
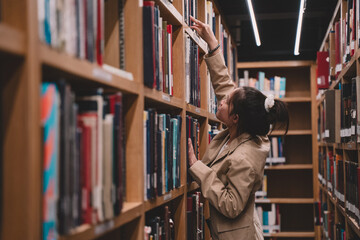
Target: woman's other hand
x=205 y=32
x=191 y=154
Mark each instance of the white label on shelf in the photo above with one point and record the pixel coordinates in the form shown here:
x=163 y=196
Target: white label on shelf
x=118 y=72
x=166 y=97
x=358 y=129
x=352 y=45
x=318 y=137
x=141 y=3
x=102 y=75
x=197 y=110
x=342 y=133
x=260 y=194
x=353 y=130
x=327 y=133
x=349 y=132
x=103 y=227
x=167 y=196
x=353 y=113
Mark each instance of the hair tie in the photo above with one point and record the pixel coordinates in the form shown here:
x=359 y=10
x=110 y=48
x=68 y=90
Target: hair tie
x=269 y=102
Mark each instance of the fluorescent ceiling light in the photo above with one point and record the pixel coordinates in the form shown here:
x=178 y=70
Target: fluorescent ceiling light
x=253 y=21
x=298 y=31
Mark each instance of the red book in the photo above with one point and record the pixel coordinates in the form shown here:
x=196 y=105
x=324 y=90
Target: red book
x=322 y=77
x=85 y=172
x=171 y=80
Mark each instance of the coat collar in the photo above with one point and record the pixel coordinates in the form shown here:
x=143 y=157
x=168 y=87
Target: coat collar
x=215 y=146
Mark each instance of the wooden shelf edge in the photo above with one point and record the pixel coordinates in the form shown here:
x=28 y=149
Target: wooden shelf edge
x=273 y=64
x=290 y=234
x=11 y=40
x=86 y=70
x=198 y=40
x=292 y=132
x=286 y=200
x=289 y=167
x=212 y=118
x=170 y=11
x=295 y=99
x=158 y=201
x=163 y=98
x=129 y=212
x=198 y=112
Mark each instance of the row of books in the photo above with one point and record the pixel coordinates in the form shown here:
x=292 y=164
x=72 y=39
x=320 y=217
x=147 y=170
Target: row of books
x=276 y=153
x=325 y=217
x=192 y=72
x=274 y=85
x=213 y=131
x=157 y=46
x=77 y=28
x=192 y=132
x=269 y=216
x=341 y=178
x=190 y=9
x=83 y=157
x=339 y=120
x=195 y=217
x=160 y=227
x=162 y=135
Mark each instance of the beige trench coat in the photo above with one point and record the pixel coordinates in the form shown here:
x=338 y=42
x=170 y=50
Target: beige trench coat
x=229 y=180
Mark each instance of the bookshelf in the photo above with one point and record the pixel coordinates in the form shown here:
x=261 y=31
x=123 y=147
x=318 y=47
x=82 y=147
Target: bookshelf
x=334 y=194
x=26 y=62
x=289 y=185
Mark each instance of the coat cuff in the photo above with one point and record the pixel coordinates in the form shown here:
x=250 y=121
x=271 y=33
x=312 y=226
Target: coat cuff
x=199 y=169
x=216 y=59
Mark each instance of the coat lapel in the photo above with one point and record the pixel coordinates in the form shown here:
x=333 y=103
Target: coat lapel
x=231 y=147
x=215 y=146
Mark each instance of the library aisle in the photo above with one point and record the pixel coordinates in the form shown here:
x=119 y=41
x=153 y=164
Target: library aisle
x=99 y=97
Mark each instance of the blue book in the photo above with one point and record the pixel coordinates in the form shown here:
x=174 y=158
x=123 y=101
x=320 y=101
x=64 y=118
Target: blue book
x=50 y=116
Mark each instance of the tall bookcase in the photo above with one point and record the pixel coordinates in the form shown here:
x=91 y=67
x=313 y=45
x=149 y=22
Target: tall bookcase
x=26 y=62
x=335 y=212
x=290 y=185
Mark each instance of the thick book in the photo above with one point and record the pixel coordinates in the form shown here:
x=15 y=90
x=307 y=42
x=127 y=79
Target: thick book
x=332 y=115
x=322 y=78
x=149 y=44
x=50 y=122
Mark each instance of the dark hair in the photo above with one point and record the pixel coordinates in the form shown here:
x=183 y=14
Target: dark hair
x=248 y=104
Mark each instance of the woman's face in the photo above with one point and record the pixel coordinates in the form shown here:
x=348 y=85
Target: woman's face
x=223 y=110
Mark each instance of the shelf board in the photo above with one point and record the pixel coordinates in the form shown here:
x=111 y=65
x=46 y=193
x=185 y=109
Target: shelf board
x=351 y=65
x=11 y=40
x=353 y=224
x=86 y=70
x=158 y=201
x=291 y=132
x=296 y=99
x=273 y=64
x=169 y=12
x=212 y=118
x=129 y=212
x=163 y=98
x=291 y=234
x=192 y=186
x=325 y=144
x=289 y=167
x=198 y=40
x=352 y=146
x=286 y=200
x=198 y=112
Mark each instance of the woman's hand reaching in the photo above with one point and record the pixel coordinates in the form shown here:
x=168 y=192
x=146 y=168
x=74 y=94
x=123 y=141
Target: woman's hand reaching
x=205 y=32
x=191 y=154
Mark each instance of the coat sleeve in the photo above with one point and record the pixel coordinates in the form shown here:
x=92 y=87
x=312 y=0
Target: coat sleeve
x=229 y=200
x=219 y=74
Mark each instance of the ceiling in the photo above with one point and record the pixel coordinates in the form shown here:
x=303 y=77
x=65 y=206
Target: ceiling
x=277 y=23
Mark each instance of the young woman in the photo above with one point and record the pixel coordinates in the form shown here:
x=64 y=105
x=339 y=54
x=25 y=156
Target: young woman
x=232 y=168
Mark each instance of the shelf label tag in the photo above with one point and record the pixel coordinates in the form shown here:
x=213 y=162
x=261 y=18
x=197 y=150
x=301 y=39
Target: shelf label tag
x=166 y=97
x=197 y=110
x=167 y=196
x=102 y=75
x=101 y=228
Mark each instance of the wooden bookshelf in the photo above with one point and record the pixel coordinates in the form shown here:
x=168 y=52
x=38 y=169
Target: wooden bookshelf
x=300 y=149
x=12 y=41
x=21 y=205
x=350 y=150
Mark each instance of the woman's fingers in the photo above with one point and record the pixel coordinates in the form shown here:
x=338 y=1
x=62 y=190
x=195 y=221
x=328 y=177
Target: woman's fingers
x=197 y=21
x=196 y=28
